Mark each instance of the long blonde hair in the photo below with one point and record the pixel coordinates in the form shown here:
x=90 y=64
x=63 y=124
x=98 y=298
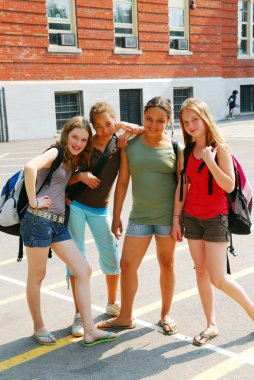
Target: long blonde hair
x=83 y=159
x=213 y=136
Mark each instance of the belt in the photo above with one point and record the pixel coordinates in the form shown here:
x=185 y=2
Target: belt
x=47 y=215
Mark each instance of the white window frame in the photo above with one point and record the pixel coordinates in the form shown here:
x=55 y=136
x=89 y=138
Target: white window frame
x=66 y=21
x=133 y=26
x=249 y=23
x=183 y=6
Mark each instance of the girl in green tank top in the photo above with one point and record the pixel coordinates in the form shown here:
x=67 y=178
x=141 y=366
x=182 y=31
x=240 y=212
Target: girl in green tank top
x=151 y=163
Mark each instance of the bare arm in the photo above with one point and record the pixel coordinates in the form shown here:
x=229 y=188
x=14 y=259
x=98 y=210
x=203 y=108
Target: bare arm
x=177 y=231
x=86 y=177
x=45 y=160
x=130 y=130
x=120 y=193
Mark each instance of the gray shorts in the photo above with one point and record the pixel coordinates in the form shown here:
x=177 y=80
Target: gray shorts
x=212 y=229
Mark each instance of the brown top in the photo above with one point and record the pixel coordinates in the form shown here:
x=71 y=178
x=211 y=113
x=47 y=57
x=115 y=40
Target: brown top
x=99 y=197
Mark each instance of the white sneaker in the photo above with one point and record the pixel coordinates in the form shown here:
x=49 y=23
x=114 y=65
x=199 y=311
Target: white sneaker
x=113 y=309
x=77 y=328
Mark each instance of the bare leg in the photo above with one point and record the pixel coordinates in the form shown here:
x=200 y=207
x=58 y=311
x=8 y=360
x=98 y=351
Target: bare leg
x=37 y=262
x=205 y=288
x=69 y=253
x=165 y=254
x=216 y=264
x=112 y=282
x=134 y=249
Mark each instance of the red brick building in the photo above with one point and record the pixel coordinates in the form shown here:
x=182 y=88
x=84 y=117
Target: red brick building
x=58 y=57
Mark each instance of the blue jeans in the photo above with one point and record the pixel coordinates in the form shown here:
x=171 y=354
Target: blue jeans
x=99 y=222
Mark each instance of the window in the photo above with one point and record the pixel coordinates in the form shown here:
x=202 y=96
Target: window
x=131 y=105
x=125 y=24
x=179 y=24
x=67 y=104
x=246 y=28
x=247 y=98
x=179 y=95
x=61 y=22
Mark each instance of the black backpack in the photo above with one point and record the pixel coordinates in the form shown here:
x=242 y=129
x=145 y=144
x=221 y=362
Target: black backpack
x=23 y=203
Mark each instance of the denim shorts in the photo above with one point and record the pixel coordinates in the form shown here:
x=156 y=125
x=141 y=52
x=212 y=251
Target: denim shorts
x=143 y=230
x=41 y=232
x=212 y=229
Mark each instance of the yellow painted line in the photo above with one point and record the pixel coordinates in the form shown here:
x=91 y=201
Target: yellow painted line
x=226 y=367
x=12 y=299
x=185 y=294
x=35 y=353
x=14 y=260
x=49 y=287
x=10 y=261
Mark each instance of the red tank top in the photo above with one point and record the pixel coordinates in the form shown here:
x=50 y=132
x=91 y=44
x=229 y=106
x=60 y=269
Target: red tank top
x=199 y=203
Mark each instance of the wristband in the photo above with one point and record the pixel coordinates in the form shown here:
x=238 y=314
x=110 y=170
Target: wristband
x=37 y=204
x=178 y=216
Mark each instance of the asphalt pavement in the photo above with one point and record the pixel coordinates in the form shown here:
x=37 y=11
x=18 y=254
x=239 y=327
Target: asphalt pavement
x=142 y=353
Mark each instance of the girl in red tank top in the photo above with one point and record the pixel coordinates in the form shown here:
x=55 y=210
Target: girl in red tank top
x=205 y=214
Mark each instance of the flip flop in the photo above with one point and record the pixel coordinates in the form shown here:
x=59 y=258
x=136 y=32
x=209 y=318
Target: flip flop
x=112 y=325
x=203 y=335
x=105 y=338
x=38 y=337
x=170 y=324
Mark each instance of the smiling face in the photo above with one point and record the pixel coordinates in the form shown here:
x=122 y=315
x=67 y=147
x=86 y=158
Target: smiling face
x=104 y=125
x=77 y=140
x=155 y=121
x=193 y=123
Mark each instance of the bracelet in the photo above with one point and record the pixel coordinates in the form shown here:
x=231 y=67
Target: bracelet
x=179 y=216
x=37 y=204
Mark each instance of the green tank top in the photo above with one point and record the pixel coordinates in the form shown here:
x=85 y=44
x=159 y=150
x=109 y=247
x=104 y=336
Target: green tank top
x=153 y=182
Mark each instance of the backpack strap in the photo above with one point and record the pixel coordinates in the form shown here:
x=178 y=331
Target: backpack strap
x=74 y=190
x=186 y=154
x=55 y=165
x=175 y=145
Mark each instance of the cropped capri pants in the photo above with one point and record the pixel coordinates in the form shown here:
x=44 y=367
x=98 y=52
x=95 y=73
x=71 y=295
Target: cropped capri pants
x=99 y=222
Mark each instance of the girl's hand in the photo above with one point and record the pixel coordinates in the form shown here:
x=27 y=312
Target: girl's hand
x=177 y=230
x=128 y=127
x=89 y=179
x=122 y=141
x=117 y=228
x=44 y=202
x=208 y=154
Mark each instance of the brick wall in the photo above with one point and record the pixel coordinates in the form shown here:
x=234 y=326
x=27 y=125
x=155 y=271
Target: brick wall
x=213 y=40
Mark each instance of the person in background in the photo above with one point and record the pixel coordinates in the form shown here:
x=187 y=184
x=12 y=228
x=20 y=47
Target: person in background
x=42 y=227
x=205 y=216
x=151 y=162
x=90 y=207
x=231 y=103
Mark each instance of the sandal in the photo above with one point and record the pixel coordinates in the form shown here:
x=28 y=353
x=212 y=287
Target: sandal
x=203 y=335
x=171 y=325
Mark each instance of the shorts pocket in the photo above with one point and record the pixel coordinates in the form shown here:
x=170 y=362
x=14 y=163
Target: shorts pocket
x=224 y=220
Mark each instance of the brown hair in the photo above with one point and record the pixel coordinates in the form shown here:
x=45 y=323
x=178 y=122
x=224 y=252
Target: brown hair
x=213 y=136
x=83 y=159
x=101 y=107
x=164 y=104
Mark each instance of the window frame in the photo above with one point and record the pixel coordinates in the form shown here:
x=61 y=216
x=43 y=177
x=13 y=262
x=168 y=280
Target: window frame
x=190 y=88
x=79 y=106
x=70 y=21
x=174 y=5
x=133 y=26
x=249 y=38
